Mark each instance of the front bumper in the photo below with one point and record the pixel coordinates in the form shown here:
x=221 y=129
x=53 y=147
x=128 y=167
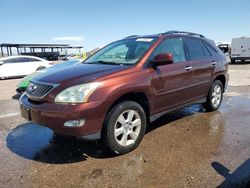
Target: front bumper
x=235 y=58
x=54 y=116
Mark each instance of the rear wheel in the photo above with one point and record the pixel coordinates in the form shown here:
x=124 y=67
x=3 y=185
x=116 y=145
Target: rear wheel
x=214 y=97
x=125 y=127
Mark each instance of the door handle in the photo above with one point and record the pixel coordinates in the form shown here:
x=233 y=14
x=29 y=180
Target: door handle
x=187 y=68
x=213 y=63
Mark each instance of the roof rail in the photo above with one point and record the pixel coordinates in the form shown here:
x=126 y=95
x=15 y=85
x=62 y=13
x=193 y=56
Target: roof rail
x=184 y=32
x=131 y=36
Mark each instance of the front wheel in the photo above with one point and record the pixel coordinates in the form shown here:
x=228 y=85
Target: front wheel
x=125 y=127
x=214 y=97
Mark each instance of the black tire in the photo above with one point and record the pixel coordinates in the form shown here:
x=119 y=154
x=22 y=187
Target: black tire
x=232 y=61
x=111 y=122
x=209 y=105
x=40 y=68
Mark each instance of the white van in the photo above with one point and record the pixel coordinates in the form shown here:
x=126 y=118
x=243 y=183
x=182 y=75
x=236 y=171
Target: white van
x=240 y=49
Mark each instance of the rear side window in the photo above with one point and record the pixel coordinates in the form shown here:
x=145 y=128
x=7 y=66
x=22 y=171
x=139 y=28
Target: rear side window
x=206 y=51
x=196 y=49
x=173 y=46
x=211 y=50
x=33 y=59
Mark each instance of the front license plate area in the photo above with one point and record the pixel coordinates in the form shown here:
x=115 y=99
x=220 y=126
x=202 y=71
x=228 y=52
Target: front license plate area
x=25 y=112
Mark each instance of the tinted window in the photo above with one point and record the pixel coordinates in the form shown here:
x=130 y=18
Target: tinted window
x=12 y=60
x=195 y=48
x=205 y=50
x=211 y=50
x=33 y=59
x=173 y=46
x=22 y=59
x=127 y=51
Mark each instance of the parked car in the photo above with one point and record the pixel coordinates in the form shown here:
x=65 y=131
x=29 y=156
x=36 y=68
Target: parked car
x=226 y=49
x=118 y=91
x=240 y=49
x=19 y=66
x=23 y=84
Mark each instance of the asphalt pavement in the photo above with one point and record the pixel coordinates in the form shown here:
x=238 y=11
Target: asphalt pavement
x=187 y=148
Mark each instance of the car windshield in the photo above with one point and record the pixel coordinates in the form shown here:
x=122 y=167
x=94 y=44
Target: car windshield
x=122 y=52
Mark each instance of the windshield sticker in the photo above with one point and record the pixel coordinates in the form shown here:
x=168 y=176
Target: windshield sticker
x=144 y=39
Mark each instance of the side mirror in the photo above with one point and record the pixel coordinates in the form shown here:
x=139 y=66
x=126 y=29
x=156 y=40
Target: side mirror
x=163 y=59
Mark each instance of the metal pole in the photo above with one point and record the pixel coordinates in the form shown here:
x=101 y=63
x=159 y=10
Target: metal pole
x=8 y=51
x=17 y=49
x=2 y=51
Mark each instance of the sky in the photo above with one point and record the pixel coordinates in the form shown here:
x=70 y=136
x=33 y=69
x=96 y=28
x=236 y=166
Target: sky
x=96 y=23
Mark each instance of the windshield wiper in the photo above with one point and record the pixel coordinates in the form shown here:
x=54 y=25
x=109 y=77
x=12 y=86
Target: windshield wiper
x=106 y=63
x=109 y=62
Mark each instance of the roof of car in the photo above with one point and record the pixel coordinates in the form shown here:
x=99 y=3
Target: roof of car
x=17 y=56
x=168 y=33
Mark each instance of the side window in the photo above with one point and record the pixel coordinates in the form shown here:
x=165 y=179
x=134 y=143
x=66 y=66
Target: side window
x=211 y=50
x=21 y=59
x=25 y=59
x=206 y=51
x=11 y=60
x=195 y=48
x=173 y=46
x=33 y=59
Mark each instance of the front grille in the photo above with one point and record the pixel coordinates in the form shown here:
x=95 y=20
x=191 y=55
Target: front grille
x=38 y=90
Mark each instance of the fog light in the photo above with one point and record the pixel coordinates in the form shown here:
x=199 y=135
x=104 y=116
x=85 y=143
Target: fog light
x=74 y=123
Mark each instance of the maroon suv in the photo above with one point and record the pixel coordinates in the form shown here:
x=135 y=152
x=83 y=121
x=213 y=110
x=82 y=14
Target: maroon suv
x=115 y=93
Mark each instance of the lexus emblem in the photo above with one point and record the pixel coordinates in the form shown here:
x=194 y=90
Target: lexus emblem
x=32 y=88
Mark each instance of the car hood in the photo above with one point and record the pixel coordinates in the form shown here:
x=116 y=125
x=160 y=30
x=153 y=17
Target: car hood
x=79 y=73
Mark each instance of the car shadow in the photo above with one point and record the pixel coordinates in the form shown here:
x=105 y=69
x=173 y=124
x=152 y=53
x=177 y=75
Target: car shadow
x=175 y=115
x=239 y=178
x=38 y=143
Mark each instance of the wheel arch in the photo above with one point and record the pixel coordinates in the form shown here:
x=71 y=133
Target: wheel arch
x=139 y=97
x=221 y=78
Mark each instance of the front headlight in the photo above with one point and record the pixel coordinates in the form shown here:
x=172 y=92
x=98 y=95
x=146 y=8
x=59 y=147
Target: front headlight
x=77 y=94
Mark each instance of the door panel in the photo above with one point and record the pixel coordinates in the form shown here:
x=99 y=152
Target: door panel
x=202 y=72
x=13 y=69
x=203 y=65
x=30 y=67
x=171 y=86
x=171 y=82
